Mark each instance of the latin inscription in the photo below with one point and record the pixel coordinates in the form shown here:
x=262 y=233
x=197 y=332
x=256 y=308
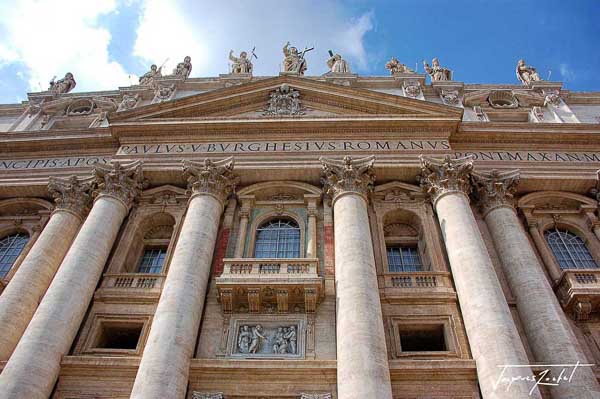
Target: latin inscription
x=52 y=163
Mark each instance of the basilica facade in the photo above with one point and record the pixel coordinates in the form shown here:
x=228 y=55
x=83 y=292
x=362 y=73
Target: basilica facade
x=335 y=236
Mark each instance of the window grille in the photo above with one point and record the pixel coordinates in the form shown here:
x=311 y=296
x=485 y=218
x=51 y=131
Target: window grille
x=152 y=260
x=569 y=250
x=404 y=259
x=10 y=249
x=279 y=238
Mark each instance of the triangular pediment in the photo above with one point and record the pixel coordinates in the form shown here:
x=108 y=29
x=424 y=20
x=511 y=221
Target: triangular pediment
x=319 y=100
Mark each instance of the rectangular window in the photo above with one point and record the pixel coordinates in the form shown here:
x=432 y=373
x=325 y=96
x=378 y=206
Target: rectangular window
x=152 y=260
x=115 y=335
x=424 y=338
x=404 y=259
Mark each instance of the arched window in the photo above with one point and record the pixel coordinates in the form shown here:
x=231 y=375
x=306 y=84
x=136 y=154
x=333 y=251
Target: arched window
x=569 y=250
x=10 y=249
x=279 y=238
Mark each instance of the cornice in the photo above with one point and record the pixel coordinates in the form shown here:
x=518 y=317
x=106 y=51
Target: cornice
x=81 y=140
x=529 y=133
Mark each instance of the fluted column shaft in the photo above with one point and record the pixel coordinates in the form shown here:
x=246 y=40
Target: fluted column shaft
x=164 y=369
x=545 y=324
x=492 y=334
x=21 y=297
x=34 y=366
x=362 y=360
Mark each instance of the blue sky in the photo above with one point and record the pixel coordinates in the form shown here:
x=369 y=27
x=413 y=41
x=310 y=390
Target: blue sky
x=109 y=43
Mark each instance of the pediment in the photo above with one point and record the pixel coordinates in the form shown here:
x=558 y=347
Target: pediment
x=397 y=191
x=318 y=99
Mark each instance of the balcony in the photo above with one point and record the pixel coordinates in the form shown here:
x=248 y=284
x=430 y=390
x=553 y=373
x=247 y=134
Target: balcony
x=269 y=285
x=425 y=284
x=579 y=292
x=134 y=287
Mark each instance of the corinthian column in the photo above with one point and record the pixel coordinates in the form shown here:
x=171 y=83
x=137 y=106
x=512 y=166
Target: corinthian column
x=165 y=364
x=33 y=368
x=490 y=327
x=545 y=324
x=362 y=361
x=27 y=287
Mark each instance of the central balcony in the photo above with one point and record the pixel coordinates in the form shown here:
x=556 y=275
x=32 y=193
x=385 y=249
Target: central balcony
x=134 y=287
x=579 y=292
x=425 y=284
x=269 y=285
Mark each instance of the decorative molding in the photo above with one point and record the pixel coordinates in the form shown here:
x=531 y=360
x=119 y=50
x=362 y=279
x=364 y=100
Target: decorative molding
x=212 y=178
x=495 y=189
x=445 y=176
x=207 y=395
x=123 y=182
x=71 y=194
x=316 y=396
x=348 y=176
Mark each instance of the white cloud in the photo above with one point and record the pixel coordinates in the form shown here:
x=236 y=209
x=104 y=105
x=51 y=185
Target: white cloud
x=566 y=72
x=51 y=37
x=175 y=29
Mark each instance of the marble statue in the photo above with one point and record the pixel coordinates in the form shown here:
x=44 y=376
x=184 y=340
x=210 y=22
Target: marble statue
x=63 y=85
x=184 y=68
x=294 y=61
x=149 y=77
x=337 y=64
x=241 y=64
x=244 y=339
x=526 y=73
x=437 y=72
x=291 y=338
x=394 y=66
x=256 y=337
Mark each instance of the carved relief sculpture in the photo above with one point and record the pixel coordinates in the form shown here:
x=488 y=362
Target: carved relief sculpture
x=129 y=102
x=163 y=93
x=450 y=97
x=526 y=73
x=63 y=85
x=337 y=64
x=149 y=78
x=244 y=339
x=552 y=97
x=183 y=69
x=241 y=64
x=437 y=72
x=493 y=189
x=394 y=66
x=412 y=89
x=294 y=61
x=256 y=339
x=284 y=101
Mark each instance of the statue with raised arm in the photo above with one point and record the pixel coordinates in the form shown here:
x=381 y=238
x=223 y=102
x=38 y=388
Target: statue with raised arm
x=294 y=61
x=184 y=68
x=437 y=72
x=63 y=85
x=395 y=66
x=526 y=73
x=337 y=64
x=149 y=77
x=241 y=64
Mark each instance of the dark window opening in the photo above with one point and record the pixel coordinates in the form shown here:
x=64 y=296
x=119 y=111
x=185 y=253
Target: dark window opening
x=423 y=338
x=119 y=336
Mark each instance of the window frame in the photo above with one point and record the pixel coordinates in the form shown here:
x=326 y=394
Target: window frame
x=258 y=221
x=23 y=250
x=153 y=245
x=569 y=255
x=279 y=240
x=403 y=243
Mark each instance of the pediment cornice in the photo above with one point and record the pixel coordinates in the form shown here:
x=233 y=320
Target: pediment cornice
x=325 y=102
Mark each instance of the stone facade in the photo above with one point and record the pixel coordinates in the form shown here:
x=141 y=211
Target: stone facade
x=339 y=236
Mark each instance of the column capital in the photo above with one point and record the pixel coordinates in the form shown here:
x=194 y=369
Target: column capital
x=122 y=182
x=445 y=176
x=71 y=194
x=495 y=189
x=348 y=176
x=211 y=178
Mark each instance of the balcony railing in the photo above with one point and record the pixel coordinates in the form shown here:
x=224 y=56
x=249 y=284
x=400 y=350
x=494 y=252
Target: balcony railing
x=258 y=285
x=579 y=292
x=134 y=286
x=426 y=283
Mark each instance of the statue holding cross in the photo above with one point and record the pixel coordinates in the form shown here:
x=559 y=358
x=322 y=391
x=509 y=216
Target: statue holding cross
x=294 y=61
